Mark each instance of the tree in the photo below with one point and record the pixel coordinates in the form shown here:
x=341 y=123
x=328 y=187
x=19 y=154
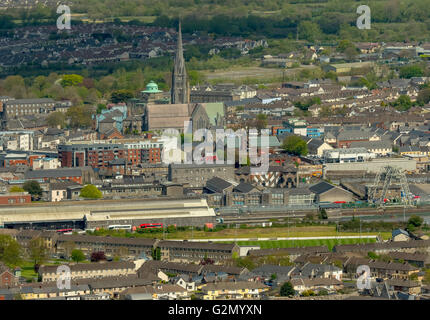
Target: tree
x=79 y=117
x=37 y=251
x=345 y=44
x=350 y=53
x=33 y=188
x=415 y=221
x=403 y=103
x=69 y=246
x=308 y=293
x=91 y=192
x=411 y=71
x=206 y=261
x=16 y=189
x=372 y=255
x=156 y=254
x=261 y=121
x=71 y=80
x=98 y=256
x=287 y=290
x=10 y=250
x=245 y=262
x=56 y=119
x=323 y=292
x=424 y=96
x=309 y=31
x=100 y=107
x=78 y=255
x=121 y=95
x=295 y=145
x=323 y=214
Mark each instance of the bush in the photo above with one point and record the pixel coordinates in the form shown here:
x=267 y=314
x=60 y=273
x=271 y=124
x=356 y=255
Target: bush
x=308 y=293
x=78 y=255
x=98 y=256
x=91 y=192
x=16 y=189
x=415 y=221
x=33 y=188
x=287 y=290
x=295 y=145
x=323 y=292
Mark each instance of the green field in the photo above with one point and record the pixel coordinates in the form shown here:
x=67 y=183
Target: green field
x=27 y=271
x=248 y=233
x=330 y=243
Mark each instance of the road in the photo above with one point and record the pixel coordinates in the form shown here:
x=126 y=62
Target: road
x=281 y=238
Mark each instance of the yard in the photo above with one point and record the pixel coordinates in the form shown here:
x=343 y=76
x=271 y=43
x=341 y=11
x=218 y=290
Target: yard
x=330 y=243
x=251 y=233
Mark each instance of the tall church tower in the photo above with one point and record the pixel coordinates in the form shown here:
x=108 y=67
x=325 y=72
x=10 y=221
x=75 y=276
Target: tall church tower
x=180 y=87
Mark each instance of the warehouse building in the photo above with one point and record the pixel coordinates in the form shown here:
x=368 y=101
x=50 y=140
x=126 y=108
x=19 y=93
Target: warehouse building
x=102 y=213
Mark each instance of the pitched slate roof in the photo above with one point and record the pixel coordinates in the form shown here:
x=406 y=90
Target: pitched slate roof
x=392 y=245
x=196 y=245
x=217 y=185
x=244 y=187
x=268 y=269
x=321 y=187
x=239 y=285
x=53 y=173
x=315 y=282
x=155 y=289
x=90 y=266
x=168 y=116
x=106 y=240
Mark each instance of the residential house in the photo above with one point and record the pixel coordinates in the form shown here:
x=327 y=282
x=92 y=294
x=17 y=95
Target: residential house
x=156 y=292
x=316 y=284
x=233 y=290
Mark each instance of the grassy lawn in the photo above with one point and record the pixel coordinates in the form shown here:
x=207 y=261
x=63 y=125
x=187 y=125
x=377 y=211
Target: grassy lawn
x=27 y=270
x=278 y=232
x=250 y=73
x=27 y=267
x=330 y=243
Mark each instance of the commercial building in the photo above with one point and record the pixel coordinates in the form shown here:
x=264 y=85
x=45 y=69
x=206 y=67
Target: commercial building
x=20 y=107
x=15 y=198
x=374 y=166
x=347 y=155
x=326 y=192
x=102 y=213
x=186 y=251
x=101 y=155
x=196 y=175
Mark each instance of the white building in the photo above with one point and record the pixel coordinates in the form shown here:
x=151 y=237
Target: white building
x=46 y=163
x=347 y=155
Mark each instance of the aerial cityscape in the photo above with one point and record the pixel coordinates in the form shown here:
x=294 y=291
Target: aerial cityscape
x=214 y=150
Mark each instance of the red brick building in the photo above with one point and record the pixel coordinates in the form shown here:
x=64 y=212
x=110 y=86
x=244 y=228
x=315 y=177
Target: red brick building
x=15 y=198
x=7 y=278
x=101 y=155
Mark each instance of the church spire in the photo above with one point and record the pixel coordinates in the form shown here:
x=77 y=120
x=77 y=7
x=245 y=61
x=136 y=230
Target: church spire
x=180 y=86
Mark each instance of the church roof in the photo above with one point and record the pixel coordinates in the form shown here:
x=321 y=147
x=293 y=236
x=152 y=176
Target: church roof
x=213 y=109
x=164 y=116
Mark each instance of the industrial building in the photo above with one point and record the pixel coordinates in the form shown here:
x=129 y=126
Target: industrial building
x=102 y=213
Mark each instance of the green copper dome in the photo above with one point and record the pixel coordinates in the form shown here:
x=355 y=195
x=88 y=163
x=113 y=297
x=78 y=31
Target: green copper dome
x=151 y=87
